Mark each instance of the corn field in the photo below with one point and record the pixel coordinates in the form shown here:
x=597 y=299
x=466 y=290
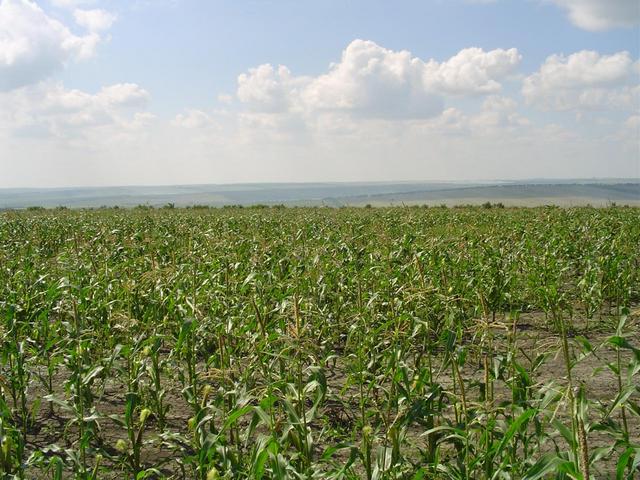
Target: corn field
x=315 y=343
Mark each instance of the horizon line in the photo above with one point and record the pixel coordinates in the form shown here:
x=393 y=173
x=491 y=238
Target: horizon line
x=533 y=180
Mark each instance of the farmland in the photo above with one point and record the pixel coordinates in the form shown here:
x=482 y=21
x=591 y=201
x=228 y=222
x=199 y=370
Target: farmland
x=299 y=343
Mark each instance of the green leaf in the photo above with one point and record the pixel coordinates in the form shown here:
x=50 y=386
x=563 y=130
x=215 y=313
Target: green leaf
x=622 y=397
x=92 y=374
x=565 y=432
x=329 y=451
x=237 y=414
x=625 y=463
x=513 y=428
x=545 y=465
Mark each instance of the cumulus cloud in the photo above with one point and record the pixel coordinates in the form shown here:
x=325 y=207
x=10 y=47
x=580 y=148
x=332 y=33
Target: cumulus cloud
x=70 y=4
x=598 y=15
x=472 y=71
x=373 y=78
x=584 y=68
x=499 y=113
x=49 y=109
x=34 y=45
x=500 y=103
x=633 y=122
x=586 y=80
x=374 y=81
x=498 y=116
x=266 y=88
x=95 y=20
x=124 y=95
x=192 y=119
x=627 y=135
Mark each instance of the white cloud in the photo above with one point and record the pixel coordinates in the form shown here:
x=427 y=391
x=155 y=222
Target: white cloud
x=71 y=4
x=472 y=71
x=594 y=15
x=49 y=109
x=373 y=81
x=140 y=120
x=500 y=103
x=585 y=68
x=584 y=80
x=95 y=20
x=627 y=135
x=34 y=45
x=598 y=15
x=633 y=122
x=124 y=95
x=632 y=127
x=498 y=116
x=265 y=88
x=192 y=119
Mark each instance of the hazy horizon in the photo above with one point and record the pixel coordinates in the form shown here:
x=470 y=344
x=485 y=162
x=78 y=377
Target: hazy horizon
x=570 y=192
x=490 y=181
x=184 y=92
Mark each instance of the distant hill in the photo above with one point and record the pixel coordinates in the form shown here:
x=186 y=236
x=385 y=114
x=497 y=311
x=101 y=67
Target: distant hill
x=521 y=193
x=515 y=195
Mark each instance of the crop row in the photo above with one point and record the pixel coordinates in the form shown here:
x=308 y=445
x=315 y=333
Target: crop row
x=319 y=343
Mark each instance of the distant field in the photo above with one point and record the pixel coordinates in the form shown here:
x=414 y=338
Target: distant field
x=534 y=193
x=514 y=195
x=317 y=343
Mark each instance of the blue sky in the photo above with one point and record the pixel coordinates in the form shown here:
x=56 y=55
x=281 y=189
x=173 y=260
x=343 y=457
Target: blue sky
x=103 y=92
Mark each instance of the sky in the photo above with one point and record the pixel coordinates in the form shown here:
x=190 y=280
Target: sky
x=160 y=92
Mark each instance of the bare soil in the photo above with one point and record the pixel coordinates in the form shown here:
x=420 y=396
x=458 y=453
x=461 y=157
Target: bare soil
x=48 y=434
